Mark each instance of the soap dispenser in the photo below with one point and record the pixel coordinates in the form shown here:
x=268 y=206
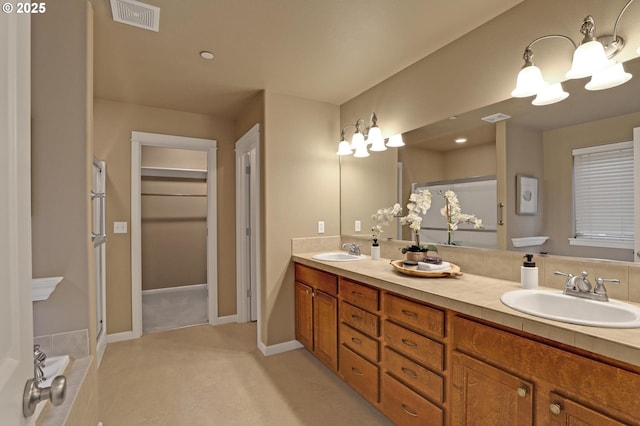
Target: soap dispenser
x=529 y=273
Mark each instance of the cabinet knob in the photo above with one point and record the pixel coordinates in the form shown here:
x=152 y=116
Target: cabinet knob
x=522 y=392
x=555 y=409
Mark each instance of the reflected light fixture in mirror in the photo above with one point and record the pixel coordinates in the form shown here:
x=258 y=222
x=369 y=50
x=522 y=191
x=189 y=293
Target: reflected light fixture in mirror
x=592 y=58
x=371 y=135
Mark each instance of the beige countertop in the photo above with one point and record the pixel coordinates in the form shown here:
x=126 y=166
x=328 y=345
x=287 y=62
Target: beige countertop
x=479 y=296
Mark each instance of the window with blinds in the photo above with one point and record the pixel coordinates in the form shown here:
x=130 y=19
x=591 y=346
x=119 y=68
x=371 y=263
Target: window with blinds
x=603 y=195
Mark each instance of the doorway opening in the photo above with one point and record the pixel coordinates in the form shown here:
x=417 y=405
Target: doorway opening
x=173 y=206
x=248 y=227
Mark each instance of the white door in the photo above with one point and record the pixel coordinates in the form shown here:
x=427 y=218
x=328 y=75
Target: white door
x=16 y=321
x=636 y=188
x=248 y=225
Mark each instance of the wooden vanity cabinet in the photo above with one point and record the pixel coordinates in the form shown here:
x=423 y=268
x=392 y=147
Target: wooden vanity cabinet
x=424 y=365
x=316 y=313
x=359 y=338
x=527 y=381
x=413 y=362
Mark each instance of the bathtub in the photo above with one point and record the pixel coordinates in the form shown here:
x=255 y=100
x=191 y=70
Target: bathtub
x=53 y=366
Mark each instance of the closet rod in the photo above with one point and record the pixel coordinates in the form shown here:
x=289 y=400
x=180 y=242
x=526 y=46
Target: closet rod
x=155 y=194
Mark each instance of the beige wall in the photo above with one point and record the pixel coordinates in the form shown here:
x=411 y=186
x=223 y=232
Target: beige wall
x=61 y=166
x=524 y=157
x=558 y=169
x=300 y=179
x=113 y=123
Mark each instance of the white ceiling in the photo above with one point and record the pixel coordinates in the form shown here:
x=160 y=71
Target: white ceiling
x=325 y=50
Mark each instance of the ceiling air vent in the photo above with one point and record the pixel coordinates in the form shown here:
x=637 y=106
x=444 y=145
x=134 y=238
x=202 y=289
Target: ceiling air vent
x=138 y=14
x=494 y=118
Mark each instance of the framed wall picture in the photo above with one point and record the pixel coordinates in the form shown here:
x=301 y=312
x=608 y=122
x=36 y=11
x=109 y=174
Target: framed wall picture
x=526 y=195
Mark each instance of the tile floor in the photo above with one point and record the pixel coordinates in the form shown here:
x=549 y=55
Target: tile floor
x=208 y=375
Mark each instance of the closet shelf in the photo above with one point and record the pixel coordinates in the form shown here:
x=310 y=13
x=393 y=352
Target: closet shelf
x=173 y=172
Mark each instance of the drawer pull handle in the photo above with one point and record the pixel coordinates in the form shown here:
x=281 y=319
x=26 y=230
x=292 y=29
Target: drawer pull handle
x=357 y=293
x=522 y=392
x=356 y=317
x=410 y=343
x=409 y=313
x=408 y=411
x=356 y=340
x=356 y=371
x=409 y=372
x=555 y=409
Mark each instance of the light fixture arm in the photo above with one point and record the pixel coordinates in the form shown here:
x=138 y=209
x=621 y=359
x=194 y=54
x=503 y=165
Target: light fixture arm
x=528 y=53
x=615 y=26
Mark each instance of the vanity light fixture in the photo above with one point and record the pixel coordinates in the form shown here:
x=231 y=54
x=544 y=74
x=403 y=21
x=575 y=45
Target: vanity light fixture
x=592 y=58
x=362 y=138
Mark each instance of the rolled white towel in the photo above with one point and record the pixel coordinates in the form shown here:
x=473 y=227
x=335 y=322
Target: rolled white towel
x=444 y=266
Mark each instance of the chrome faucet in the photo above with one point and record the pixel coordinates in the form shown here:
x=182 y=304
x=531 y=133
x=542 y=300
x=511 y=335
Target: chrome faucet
x=581 y=286
x=38 y=364
x=354 y=248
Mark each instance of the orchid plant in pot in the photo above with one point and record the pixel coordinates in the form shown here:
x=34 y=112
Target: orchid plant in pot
x=452 y=211
x=419 y=204
x=383 y=217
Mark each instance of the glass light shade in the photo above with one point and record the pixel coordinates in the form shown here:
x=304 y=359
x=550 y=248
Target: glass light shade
x=395 y=141
x=528 y=83
x=587 y=59
x=357 y=141
x=611 y=76
x=344 y=148
x=361 y=151
x=376 y=140
x=550 y=94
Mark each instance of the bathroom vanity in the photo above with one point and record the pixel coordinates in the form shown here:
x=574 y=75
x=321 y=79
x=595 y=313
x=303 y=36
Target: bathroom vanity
x=447 y=352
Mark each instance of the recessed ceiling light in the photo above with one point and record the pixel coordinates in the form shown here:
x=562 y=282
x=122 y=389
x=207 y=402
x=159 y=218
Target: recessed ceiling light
x=461 y=140
x=206 y=54
x=453 y=117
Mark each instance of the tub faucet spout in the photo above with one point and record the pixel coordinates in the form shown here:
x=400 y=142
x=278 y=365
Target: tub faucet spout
x=38 y=364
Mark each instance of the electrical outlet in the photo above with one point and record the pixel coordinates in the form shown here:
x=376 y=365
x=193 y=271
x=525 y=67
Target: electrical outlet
x=321 y=227
x=358 y=226
x=119 y=227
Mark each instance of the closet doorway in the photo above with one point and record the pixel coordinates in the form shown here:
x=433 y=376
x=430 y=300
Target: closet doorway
x=173 y=232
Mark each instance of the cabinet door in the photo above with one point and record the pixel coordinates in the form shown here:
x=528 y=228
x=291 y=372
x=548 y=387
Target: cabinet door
x=563 y=411
x=485 y=395
x=325 y=330
x=304 y=315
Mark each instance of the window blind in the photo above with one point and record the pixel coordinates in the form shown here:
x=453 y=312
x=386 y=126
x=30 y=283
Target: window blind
x=603 y=192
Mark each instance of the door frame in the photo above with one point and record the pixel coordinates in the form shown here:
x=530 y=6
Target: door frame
x=248 y=206
x=101 y=343
x=138 y=140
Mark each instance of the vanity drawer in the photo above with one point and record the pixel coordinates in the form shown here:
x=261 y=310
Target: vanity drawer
x=317 y=279
x=414 y=375
x=412 y=344
x=360 y=295
x=359 y=319
x=416 y=315
x=360 y=374
x=359 y=342
x=405 y=407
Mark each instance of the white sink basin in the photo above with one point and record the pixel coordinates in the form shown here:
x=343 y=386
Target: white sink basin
x=338 y=256
x=560 y=307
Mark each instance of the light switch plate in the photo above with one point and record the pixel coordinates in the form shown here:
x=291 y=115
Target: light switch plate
x=119 y=227
x=358 y=226
x=321 y=227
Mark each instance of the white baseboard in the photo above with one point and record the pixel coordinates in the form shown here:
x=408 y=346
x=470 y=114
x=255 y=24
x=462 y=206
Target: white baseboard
x=226 y=320
x=279 y=348
x=119 y=337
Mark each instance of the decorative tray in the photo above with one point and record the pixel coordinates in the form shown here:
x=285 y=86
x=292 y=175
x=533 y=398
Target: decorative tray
x=454 y=271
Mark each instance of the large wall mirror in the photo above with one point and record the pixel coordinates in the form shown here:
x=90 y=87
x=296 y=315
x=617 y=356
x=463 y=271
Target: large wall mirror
x=537 y=141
